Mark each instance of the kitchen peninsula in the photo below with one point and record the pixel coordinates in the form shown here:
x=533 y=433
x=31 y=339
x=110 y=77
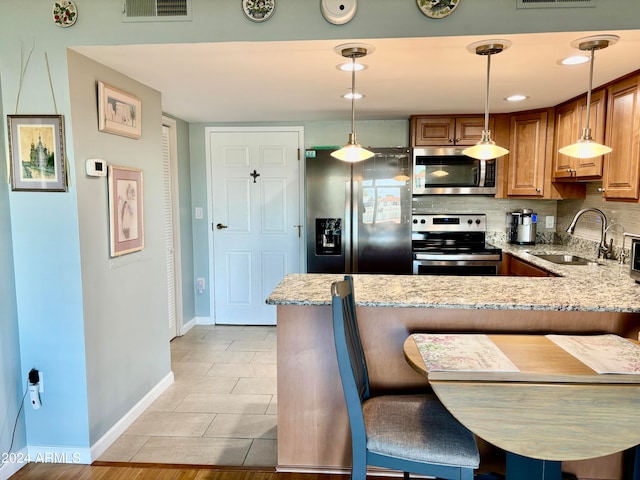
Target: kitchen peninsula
x=313 y=432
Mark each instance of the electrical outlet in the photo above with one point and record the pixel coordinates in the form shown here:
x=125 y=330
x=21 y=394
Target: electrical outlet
x=550 y=221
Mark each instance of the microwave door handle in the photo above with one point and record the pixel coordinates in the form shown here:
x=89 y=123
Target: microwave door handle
x=483 y=173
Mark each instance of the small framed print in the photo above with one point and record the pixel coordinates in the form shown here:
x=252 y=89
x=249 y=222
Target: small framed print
x=126 y=225
x=119 y=112
x=36 y=153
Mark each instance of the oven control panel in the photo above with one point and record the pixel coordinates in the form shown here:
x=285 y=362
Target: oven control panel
x=467 y=222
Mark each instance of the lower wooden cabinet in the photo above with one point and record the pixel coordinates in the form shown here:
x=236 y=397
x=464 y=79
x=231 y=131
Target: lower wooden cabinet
x=517 y=267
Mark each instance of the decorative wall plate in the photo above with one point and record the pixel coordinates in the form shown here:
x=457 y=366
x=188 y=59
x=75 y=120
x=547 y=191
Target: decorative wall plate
x=437 y=8
x=258 y=10
x=64 y=13
x=338 y=12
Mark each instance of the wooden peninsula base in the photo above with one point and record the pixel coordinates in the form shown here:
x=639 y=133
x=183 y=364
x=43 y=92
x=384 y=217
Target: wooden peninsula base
x=313 y=428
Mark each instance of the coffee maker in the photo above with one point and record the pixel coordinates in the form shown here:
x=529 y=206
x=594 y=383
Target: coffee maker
x=521 y=227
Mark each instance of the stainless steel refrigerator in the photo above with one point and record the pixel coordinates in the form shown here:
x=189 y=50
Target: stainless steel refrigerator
x=359 y=215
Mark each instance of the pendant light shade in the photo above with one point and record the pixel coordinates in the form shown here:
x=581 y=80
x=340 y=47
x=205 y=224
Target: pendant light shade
x=486 y=148
x=586 y=146
x=352 y=151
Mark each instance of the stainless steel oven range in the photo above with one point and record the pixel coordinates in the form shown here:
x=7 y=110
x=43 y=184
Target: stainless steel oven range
x=444 y=244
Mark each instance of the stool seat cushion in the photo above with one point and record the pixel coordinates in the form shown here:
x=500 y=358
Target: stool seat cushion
x=419 y=428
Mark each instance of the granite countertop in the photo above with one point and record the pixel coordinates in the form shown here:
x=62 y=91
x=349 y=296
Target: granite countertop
x=604 y=287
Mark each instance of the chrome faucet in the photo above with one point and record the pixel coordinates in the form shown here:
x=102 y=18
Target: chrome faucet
x=603 y=249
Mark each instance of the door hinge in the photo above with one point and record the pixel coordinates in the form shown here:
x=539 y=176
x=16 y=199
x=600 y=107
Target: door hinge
x=298 y=154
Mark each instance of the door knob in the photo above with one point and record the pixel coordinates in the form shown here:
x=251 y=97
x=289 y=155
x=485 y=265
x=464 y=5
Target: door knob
x=221 y=226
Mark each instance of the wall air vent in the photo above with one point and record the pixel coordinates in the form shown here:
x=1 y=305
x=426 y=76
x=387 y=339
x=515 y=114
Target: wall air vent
x=156 y=10
x=555 y=3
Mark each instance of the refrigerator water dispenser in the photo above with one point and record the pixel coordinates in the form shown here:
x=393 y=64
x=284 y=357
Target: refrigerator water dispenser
x=328 y=236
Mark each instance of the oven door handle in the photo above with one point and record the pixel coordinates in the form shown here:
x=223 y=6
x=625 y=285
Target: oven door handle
x=457 y=256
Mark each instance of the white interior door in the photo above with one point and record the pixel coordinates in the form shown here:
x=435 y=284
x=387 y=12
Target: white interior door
x=255 y=183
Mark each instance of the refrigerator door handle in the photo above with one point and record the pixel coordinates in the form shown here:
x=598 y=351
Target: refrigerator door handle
x=355 y=202
x=347 y=231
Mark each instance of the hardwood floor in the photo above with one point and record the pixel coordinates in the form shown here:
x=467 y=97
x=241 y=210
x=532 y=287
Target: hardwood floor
x=138 y=471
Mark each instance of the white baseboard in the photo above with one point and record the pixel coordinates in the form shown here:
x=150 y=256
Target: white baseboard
x=188 y=326
x=204 y=321
x=17 y=461
x=125 y=422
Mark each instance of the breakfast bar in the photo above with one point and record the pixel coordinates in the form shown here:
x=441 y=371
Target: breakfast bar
x=313 y=431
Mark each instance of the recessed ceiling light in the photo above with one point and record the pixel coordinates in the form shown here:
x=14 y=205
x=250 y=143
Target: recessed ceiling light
x=574 y=60
x=356 y=96
x=347 y=67
x=516 y=98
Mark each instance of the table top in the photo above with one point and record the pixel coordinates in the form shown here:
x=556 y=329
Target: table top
x=538 y=358
x=555 y=408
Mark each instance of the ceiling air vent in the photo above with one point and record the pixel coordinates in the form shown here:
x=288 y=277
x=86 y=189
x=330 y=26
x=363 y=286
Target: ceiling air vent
x=156 y=10
x=555 y=3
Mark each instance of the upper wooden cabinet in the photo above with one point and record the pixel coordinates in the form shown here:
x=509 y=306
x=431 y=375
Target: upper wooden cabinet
x=570 y=120
x=529 y=163
x=622 y=165
x=527 y=153
x=439 y=130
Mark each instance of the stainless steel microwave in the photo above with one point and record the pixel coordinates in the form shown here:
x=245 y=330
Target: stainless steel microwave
x=447 y=171
x=635 y=259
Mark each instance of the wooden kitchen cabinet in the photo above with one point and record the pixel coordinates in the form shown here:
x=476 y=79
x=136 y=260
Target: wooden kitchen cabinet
x=620 y=178
x=570 y=120
x=516 y=267
x=441 y=130
x=527 y=153
x=530 y=161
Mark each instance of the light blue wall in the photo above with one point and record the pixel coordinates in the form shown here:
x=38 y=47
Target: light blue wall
x=11 y=374
x=59 y=327
x=124 y=299
x=47 y=275
x=186 y=221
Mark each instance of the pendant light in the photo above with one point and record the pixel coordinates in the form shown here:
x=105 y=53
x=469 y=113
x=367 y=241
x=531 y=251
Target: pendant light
x=586 y=146
x=352 y=151
x=486 y=148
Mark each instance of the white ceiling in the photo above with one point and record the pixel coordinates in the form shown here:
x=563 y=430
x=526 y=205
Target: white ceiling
x=298 y=80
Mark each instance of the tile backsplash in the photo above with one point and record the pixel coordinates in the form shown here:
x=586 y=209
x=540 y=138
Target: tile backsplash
x=621 y=216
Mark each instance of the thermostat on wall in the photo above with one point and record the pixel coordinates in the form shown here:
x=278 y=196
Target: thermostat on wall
x=96 y=167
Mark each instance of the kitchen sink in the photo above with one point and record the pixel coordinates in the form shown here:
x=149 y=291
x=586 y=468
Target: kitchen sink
x=563 y=259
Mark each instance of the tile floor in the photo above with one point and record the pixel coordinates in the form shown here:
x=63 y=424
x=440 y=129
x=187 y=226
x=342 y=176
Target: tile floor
x=221 y=409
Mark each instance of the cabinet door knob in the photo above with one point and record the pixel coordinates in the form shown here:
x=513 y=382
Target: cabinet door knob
x=601 y=190
x=538 y=190
x=451 y=140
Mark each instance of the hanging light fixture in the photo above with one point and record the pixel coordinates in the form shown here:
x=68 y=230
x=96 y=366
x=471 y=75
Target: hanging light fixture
x=352 y=151
x=486 y=148
x=586 y=146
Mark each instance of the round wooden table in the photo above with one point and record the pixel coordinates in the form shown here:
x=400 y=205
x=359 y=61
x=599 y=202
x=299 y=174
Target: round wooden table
x=556 y=408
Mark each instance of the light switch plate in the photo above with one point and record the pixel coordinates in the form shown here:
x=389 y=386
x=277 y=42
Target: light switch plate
x=550 y=221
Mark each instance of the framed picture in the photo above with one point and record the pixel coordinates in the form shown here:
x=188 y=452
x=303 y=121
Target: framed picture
x=119 y=112
x=126 y=214
x=36 y=152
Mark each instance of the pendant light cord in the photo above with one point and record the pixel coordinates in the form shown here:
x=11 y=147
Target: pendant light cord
x=486 y=101
x=587 y=127
x=353 y=97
